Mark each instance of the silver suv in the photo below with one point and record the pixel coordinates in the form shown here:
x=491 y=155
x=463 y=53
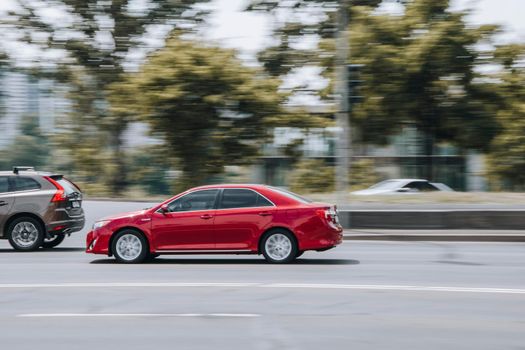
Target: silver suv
x=38 y=209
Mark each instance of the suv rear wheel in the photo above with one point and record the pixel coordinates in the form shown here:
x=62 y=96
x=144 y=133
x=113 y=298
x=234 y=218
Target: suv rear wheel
x=53 y=241
x=25 y=234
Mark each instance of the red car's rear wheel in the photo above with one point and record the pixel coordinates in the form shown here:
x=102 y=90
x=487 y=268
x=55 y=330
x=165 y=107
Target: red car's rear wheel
x=279 y=247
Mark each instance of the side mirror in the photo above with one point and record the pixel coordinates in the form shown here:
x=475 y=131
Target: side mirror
x=164 y=209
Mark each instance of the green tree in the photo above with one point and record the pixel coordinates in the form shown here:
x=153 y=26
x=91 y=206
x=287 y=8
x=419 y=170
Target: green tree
x=419 y=68
x=312 y=176
x=98 y=38
x=31 y=147
x=506 y=161
x=316 y=176
x=295 y=20
x=148 y=167
x=209 y=108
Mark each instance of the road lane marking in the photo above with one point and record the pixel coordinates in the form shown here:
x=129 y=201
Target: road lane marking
x=378 y=287
x=221 y=315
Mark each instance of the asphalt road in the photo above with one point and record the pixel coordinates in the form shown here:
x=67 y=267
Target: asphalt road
x=361 y=295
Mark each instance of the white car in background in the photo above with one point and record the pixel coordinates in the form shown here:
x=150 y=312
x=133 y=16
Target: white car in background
x=403 y=186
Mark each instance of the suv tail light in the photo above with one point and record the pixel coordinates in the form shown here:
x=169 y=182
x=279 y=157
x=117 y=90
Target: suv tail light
x=60 y=194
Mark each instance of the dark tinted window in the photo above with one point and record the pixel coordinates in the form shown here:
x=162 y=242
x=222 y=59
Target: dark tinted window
x=241 y=198
x=4 y=184
x=421 y=186
x=25 y=184
x=199 y=200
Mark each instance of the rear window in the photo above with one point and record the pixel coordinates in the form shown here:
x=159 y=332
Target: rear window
x=291 y=195
x=69 y=187
x=25 y=184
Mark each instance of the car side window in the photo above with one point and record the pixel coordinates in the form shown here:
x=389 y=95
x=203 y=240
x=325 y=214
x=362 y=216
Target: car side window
x=426 y=187
x=4 y=184
x=242 y=198
x=198 y=200
x=25 y=184
x=420 y=186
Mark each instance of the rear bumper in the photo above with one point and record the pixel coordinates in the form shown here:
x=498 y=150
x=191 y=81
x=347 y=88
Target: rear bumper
x=323 y=240
x=64 y=220
x=66 y=226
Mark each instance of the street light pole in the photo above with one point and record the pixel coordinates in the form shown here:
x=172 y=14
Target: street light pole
x=344 y=144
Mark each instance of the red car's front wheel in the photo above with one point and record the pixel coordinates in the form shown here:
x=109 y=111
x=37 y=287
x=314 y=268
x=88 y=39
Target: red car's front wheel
x=130 y=247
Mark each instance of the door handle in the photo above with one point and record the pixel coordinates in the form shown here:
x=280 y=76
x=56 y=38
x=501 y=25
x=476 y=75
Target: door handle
x=2 y=203
x=265 y=213
x=206 y=216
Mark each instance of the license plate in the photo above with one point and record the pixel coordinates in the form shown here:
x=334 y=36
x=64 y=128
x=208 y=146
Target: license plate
x=75 y=204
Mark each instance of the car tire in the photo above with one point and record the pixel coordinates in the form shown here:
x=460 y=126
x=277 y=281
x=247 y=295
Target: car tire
x=279 y=247
x=25 y=234
x=53 y=241
x=130 y=247
x=299 y=254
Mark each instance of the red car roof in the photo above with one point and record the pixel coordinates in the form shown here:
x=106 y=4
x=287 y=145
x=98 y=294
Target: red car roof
x=253 y=186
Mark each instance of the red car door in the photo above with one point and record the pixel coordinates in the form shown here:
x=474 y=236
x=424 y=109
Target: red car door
x=240 y=218
x=188 y=223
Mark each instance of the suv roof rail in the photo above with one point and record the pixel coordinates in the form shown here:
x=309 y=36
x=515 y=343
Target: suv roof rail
x=17 y=169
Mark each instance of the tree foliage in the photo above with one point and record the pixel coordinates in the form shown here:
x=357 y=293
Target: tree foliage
x=208 y=107
x=98 y=39
x=419 y=67
x=30 y=147
x=507 y=152
x=316 y=176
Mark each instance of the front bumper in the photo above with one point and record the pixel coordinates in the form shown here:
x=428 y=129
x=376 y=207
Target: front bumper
x=97 y=242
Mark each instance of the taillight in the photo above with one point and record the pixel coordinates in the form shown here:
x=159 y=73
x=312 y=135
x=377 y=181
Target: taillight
x=330 y=215
x=60 y=194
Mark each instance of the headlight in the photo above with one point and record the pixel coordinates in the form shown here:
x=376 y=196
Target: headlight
x=99 y=224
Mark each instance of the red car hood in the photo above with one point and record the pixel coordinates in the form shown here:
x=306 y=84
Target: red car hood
x=130 y=214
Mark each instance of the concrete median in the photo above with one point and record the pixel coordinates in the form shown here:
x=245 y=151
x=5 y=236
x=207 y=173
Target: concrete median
x=434 y=219
x=487 y=225
x=436 y=235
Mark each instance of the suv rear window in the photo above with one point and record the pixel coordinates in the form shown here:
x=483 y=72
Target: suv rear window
x=25 y=184
x=69 y=187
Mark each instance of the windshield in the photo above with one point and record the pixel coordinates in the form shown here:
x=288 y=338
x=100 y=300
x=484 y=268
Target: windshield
x=387 y=185
x=291 y=195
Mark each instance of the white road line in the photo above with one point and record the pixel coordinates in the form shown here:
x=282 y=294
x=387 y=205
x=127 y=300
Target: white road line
x=137 y=315
x=380 y=287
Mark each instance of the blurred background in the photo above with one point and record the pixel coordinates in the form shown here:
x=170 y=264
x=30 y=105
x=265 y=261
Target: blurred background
x=134 y=98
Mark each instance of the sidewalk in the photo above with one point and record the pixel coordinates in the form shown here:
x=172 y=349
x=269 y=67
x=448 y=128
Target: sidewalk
x=436 y=235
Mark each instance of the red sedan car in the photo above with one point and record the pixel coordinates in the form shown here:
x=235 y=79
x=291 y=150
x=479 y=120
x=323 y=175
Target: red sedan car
x=251 y=219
